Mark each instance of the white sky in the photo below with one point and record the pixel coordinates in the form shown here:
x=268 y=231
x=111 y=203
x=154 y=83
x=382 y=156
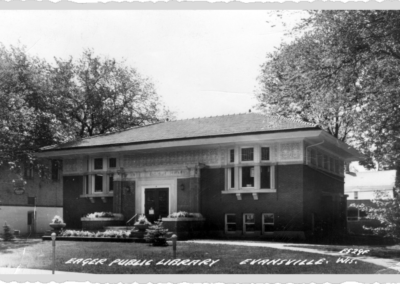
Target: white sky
x=203 y=63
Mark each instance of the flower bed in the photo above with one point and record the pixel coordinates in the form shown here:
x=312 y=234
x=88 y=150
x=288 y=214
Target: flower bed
x=99 y=220
x=185 y=225
x=106 y=236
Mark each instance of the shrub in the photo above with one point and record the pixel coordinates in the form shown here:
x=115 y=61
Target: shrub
x=156 y=234
x=8 y=234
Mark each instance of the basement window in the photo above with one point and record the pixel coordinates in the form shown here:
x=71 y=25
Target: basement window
x=268 y=222
x=230 y=223
x=248 y=223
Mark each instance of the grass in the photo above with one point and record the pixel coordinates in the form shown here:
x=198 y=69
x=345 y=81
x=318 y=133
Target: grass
x=392 y=252
x=37 y=254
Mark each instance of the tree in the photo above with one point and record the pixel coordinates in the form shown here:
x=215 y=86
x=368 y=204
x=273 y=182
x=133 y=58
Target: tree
x=43 y=104
x=156 y=234
x=25 y=122
x=386 y=210
x=97 y=96
x=341 y=72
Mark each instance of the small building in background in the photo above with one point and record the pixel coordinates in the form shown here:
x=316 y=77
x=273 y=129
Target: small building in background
x=361 y=188
x=28 y=202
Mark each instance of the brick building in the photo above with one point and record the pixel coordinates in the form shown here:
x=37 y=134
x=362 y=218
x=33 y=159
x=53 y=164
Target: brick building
x=28 y=203
x=247 y=174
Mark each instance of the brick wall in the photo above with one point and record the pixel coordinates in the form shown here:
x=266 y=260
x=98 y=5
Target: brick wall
x=286 y=203
x=188 y=198
x=329 y=212
x=76 y=207
x=47 y=192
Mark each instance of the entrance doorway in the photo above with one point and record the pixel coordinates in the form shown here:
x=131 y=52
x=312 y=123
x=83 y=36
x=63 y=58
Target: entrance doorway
x=156 y=203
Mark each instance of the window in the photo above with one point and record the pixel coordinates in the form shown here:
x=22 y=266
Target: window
x=268 y=222
x=55 y=170
x=112 y=163
x=86 y=185
x=313 y=157
x=320 y=160
x=98 y=183
x=264 y=153
x=331 y=164
x=355 y=194
x=248 y=223
x=111 y=183
x=232 y=155
x=265 y=177
x=254 y=173
x=247 y=154
x=247 y=176
x=28 y=171
x=230 y=223
x=326 y=162
x=354 y=214
x=98 y=163
x=231 y=177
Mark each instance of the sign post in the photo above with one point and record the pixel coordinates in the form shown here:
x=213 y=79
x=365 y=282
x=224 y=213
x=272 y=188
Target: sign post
x=53 y=239
x=174 y=245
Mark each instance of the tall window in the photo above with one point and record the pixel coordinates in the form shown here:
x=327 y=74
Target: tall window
x=248 y=222
x=265 y=177
x=231 y=177
x=111 y=183
x=55 y=169
x=247 y=176
x=264 y=153
x=232 y=155
x=230 y=223
x=98 y=183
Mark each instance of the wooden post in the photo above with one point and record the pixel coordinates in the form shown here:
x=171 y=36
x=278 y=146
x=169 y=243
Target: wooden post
x=174 y=245
x=53 y=238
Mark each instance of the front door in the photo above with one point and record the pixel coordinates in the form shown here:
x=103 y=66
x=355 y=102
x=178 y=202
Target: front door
x=156 y=203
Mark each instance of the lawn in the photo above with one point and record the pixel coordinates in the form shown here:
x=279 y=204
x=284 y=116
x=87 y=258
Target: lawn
x=37 y=254
x=392 y=252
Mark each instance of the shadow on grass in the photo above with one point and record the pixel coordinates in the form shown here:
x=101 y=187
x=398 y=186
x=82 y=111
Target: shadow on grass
x=8 y=246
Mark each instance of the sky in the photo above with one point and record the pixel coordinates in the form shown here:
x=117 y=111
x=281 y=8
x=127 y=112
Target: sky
x=202 y=62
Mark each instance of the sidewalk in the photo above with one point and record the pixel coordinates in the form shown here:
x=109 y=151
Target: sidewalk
x=289 y=246
x=6 y=270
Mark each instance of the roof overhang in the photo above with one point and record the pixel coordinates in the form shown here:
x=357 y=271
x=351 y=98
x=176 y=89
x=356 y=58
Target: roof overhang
x=336 y=146
x=179 y=143
x=311 y=135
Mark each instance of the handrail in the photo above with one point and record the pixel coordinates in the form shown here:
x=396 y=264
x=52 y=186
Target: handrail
x=131 y=219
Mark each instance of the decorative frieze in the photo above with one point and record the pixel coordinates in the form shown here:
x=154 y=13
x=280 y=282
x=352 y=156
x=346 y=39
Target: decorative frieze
x=177 y=158
x=167 y=173
x=291 y=151
x=73 y=166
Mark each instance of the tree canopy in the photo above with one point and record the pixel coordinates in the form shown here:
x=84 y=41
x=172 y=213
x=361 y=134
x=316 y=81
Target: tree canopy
x=341 y=72
x=44 y=103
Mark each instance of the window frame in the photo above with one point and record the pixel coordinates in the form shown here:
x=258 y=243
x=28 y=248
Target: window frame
x=226 y=223
x=270 y=224
x=256 y=164
x=28 y=171
x=247 y=147
x=245 y=223
x=269 y=153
